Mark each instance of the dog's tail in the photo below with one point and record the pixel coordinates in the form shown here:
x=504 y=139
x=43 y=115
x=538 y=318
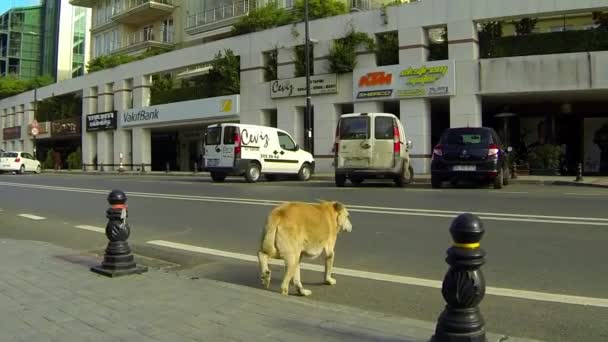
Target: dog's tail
x=269 y=236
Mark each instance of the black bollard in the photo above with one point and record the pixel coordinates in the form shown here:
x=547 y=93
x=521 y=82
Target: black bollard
x=168 y=167
x=143 y=168
x=195 y=167
x=579 y=173
x=514 y=172
x=464 y=285
x=118 y=260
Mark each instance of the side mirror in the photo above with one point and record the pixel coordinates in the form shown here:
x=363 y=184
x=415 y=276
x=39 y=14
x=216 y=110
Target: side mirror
x=409 y=145
x=296 y=147
x=510 y=149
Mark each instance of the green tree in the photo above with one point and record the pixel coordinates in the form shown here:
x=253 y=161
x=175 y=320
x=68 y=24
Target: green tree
x=300 y=60
x=263 y=18
x=320 y=9
x=343 y=53
x=75 y=160
x=388 y=49
x=12 y=85
x=225 y=75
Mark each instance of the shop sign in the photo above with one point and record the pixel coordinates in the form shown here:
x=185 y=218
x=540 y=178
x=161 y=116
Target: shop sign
x=101 y=121
x=398 y=82
x=11 y=133
x=292 y=87
x=65 y=127
x=195 y=110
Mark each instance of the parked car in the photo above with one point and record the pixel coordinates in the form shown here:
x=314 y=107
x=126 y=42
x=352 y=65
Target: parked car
x=371 y=146
x=471 y=153
x=252 y=151
x=20 y=162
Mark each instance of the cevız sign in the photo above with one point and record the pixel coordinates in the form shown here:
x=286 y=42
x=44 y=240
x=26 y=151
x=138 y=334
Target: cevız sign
x=319 y=84
x=101 y=121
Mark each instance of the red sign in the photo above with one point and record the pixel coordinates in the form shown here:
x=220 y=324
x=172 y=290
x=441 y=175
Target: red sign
x=373 y=79
x=11 y=133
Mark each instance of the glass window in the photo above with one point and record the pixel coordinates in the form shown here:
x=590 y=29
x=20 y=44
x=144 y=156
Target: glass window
x=383 y=127
x=354 y=128
x=229 y=133
x=466 y=137
x=8 y=155
x=213 y=136
x=286 y=142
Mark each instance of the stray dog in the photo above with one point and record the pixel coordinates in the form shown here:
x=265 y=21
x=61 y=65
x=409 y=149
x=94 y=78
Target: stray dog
x=294 y=230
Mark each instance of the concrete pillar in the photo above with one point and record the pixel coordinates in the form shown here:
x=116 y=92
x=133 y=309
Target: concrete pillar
x=365 y=59
x=28 y=117
x=465 y=107
x=291 y=119
x=105 y=139
x=413 y=46
x=321 y=57
x=326 y=120
x=368 y=107
x=252 y=79
x=122 y=137
x=415 y=115
x=286 y=67
x=89 y=140
x=141 y=137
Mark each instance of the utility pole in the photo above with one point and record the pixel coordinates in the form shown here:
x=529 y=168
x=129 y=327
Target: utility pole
x=307 y=114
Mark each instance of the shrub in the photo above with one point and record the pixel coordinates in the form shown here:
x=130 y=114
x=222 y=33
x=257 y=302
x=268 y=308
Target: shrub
x=343 y=54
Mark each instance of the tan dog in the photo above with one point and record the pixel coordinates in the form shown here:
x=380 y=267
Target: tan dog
x=294 y=230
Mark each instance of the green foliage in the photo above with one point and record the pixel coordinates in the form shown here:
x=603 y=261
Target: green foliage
x=601 y=20
x=48 y=162
x=59 y=107
x=11 y=85
x=388 y=49
x=319 y=9
x=545 y=156
x=270 y=69
x=300 y=60
x=343 y=54
x=525 y=26
x=439 y=51
x=263 y=18
x=75 y=160
x=546 y=43
x=490 y=34
x=111 y=61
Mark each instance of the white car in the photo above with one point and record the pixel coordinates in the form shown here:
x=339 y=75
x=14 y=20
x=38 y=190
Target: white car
x=20 y=162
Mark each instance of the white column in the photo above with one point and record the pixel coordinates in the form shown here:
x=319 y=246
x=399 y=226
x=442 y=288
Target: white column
x=320 y=55
x=122 y=137
x=28 y=117
x=465 y=106
x=365 y=59
x=89 y=140
x=368 y=107
x=142 y=139
x=413 y=46
x=291 y=119
x=286 y=66
x=105 y=139
x=326 y=120
x=252 y=79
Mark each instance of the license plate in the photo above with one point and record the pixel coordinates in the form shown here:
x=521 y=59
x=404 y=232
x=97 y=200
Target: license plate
x=464 y=168
x=213 y=162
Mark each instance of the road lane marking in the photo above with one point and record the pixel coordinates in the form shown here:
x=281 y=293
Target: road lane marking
x=508 y=192
x=91 y=228
x=32 y=217
x=571 y=220
x=583 y=194
x=496 y=291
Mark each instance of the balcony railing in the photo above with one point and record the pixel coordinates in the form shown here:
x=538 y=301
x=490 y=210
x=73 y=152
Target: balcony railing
x=127 y=5
x=161 y=36
x=234 y=10
x=366 y=5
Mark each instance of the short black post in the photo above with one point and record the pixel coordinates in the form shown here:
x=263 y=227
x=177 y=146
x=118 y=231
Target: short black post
x=514 y=172
x=579 y=173
x=143 y=168
x=464 y=285
x=195 y=167
x=168 y=167
x=84 y=167
x=118 y=260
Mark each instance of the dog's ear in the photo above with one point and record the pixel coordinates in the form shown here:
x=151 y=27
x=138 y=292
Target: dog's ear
x=338 y=206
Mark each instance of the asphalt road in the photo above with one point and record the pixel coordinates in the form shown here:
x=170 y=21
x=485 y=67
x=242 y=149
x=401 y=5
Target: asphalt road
x=546 y=239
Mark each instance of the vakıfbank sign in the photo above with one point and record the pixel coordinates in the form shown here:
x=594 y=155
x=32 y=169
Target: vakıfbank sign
x=401 y=82
x=203 y=109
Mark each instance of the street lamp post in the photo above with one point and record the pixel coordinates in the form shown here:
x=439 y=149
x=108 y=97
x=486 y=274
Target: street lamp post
x=35 y=112
x=307 y=114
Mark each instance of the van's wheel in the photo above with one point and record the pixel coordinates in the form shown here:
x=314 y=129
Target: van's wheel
x=340 y=180
x=305 y=172
x=218 y=177
x=253 y=172
x=22 y=169
x=498 y=181
x=356 y=180
x=405 y=177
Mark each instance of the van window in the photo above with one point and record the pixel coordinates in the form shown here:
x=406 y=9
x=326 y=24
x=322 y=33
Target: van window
x=383 y=128
x=354 y=128
x=285 y=142
x=213 y=136
x=229 y=132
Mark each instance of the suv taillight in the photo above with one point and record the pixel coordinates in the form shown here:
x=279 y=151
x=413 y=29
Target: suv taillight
x=493 y=150
x=437 y=150
x=396 y=140
x=237 y=145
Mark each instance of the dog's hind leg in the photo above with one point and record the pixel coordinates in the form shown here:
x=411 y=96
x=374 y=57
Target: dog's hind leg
x=264 y=270
x=291 y=264
x=329 y=264
x=297 y=281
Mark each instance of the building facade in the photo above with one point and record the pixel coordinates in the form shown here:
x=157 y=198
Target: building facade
x=552 y=98
x=20 y=43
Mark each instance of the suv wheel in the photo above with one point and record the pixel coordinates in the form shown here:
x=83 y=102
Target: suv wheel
x=498 y=181
x=305 y=172
x=218 y=177
x=340 y=180
x=356 y=180
x=405 y=177
x=252 y=173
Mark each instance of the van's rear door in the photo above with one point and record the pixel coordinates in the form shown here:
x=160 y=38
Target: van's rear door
x=383 y=142
x=355 y=146
x=213 y=146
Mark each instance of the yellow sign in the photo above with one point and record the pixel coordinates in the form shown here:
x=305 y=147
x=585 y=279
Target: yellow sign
x=226 y=106
x=424 y=74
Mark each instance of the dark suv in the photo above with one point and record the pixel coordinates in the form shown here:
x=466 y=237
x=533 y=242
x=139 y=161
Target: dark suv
x=472 y=153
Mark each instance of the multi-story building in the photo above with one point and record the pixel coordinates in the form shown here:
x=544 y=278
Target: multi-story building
x=538 y=89
x=49 y=39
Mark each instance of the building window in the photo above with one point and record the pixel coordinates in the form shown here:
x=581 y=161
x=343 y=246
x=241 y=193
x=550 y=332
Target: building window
x=167 y=33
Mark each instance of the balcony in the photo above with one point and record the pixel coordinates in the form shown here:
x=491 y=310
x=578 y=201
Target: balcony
x=365 y=5
x=142 y=40
x=138 y=12
x=219 y=18
x=83 y=3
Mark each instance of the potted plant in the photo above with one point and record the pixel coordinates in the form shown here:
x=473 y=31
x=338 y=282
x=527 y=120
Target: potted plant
x=545 y=159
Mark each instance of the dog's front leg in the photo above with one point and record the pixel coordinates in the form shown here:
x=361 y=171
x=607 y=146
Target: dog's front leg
x=291 y=263
x=329 y=264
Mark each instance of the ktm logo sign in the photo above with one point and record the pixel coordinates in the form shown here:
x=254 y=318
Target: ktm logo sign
x=373 y=79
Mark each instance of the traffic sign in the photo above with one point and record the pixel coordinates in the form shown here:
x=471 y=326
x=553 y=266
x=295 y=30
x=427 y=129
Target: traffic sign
x=35 y=124
x=34 y=131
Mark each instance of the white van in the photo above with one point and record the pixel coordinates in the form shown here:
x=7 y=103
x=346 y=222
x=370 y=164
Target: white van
x=371 y=145
x=233 y=149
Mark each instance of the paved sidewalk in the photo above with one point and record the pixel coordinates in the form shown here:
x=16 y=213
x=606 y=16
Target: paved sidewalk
x=47 y=293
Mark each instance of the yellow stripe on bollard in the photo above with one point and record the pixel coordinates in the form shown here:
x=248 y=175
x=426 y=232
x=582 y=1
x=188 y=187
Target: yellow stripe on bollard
x=467 y=245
